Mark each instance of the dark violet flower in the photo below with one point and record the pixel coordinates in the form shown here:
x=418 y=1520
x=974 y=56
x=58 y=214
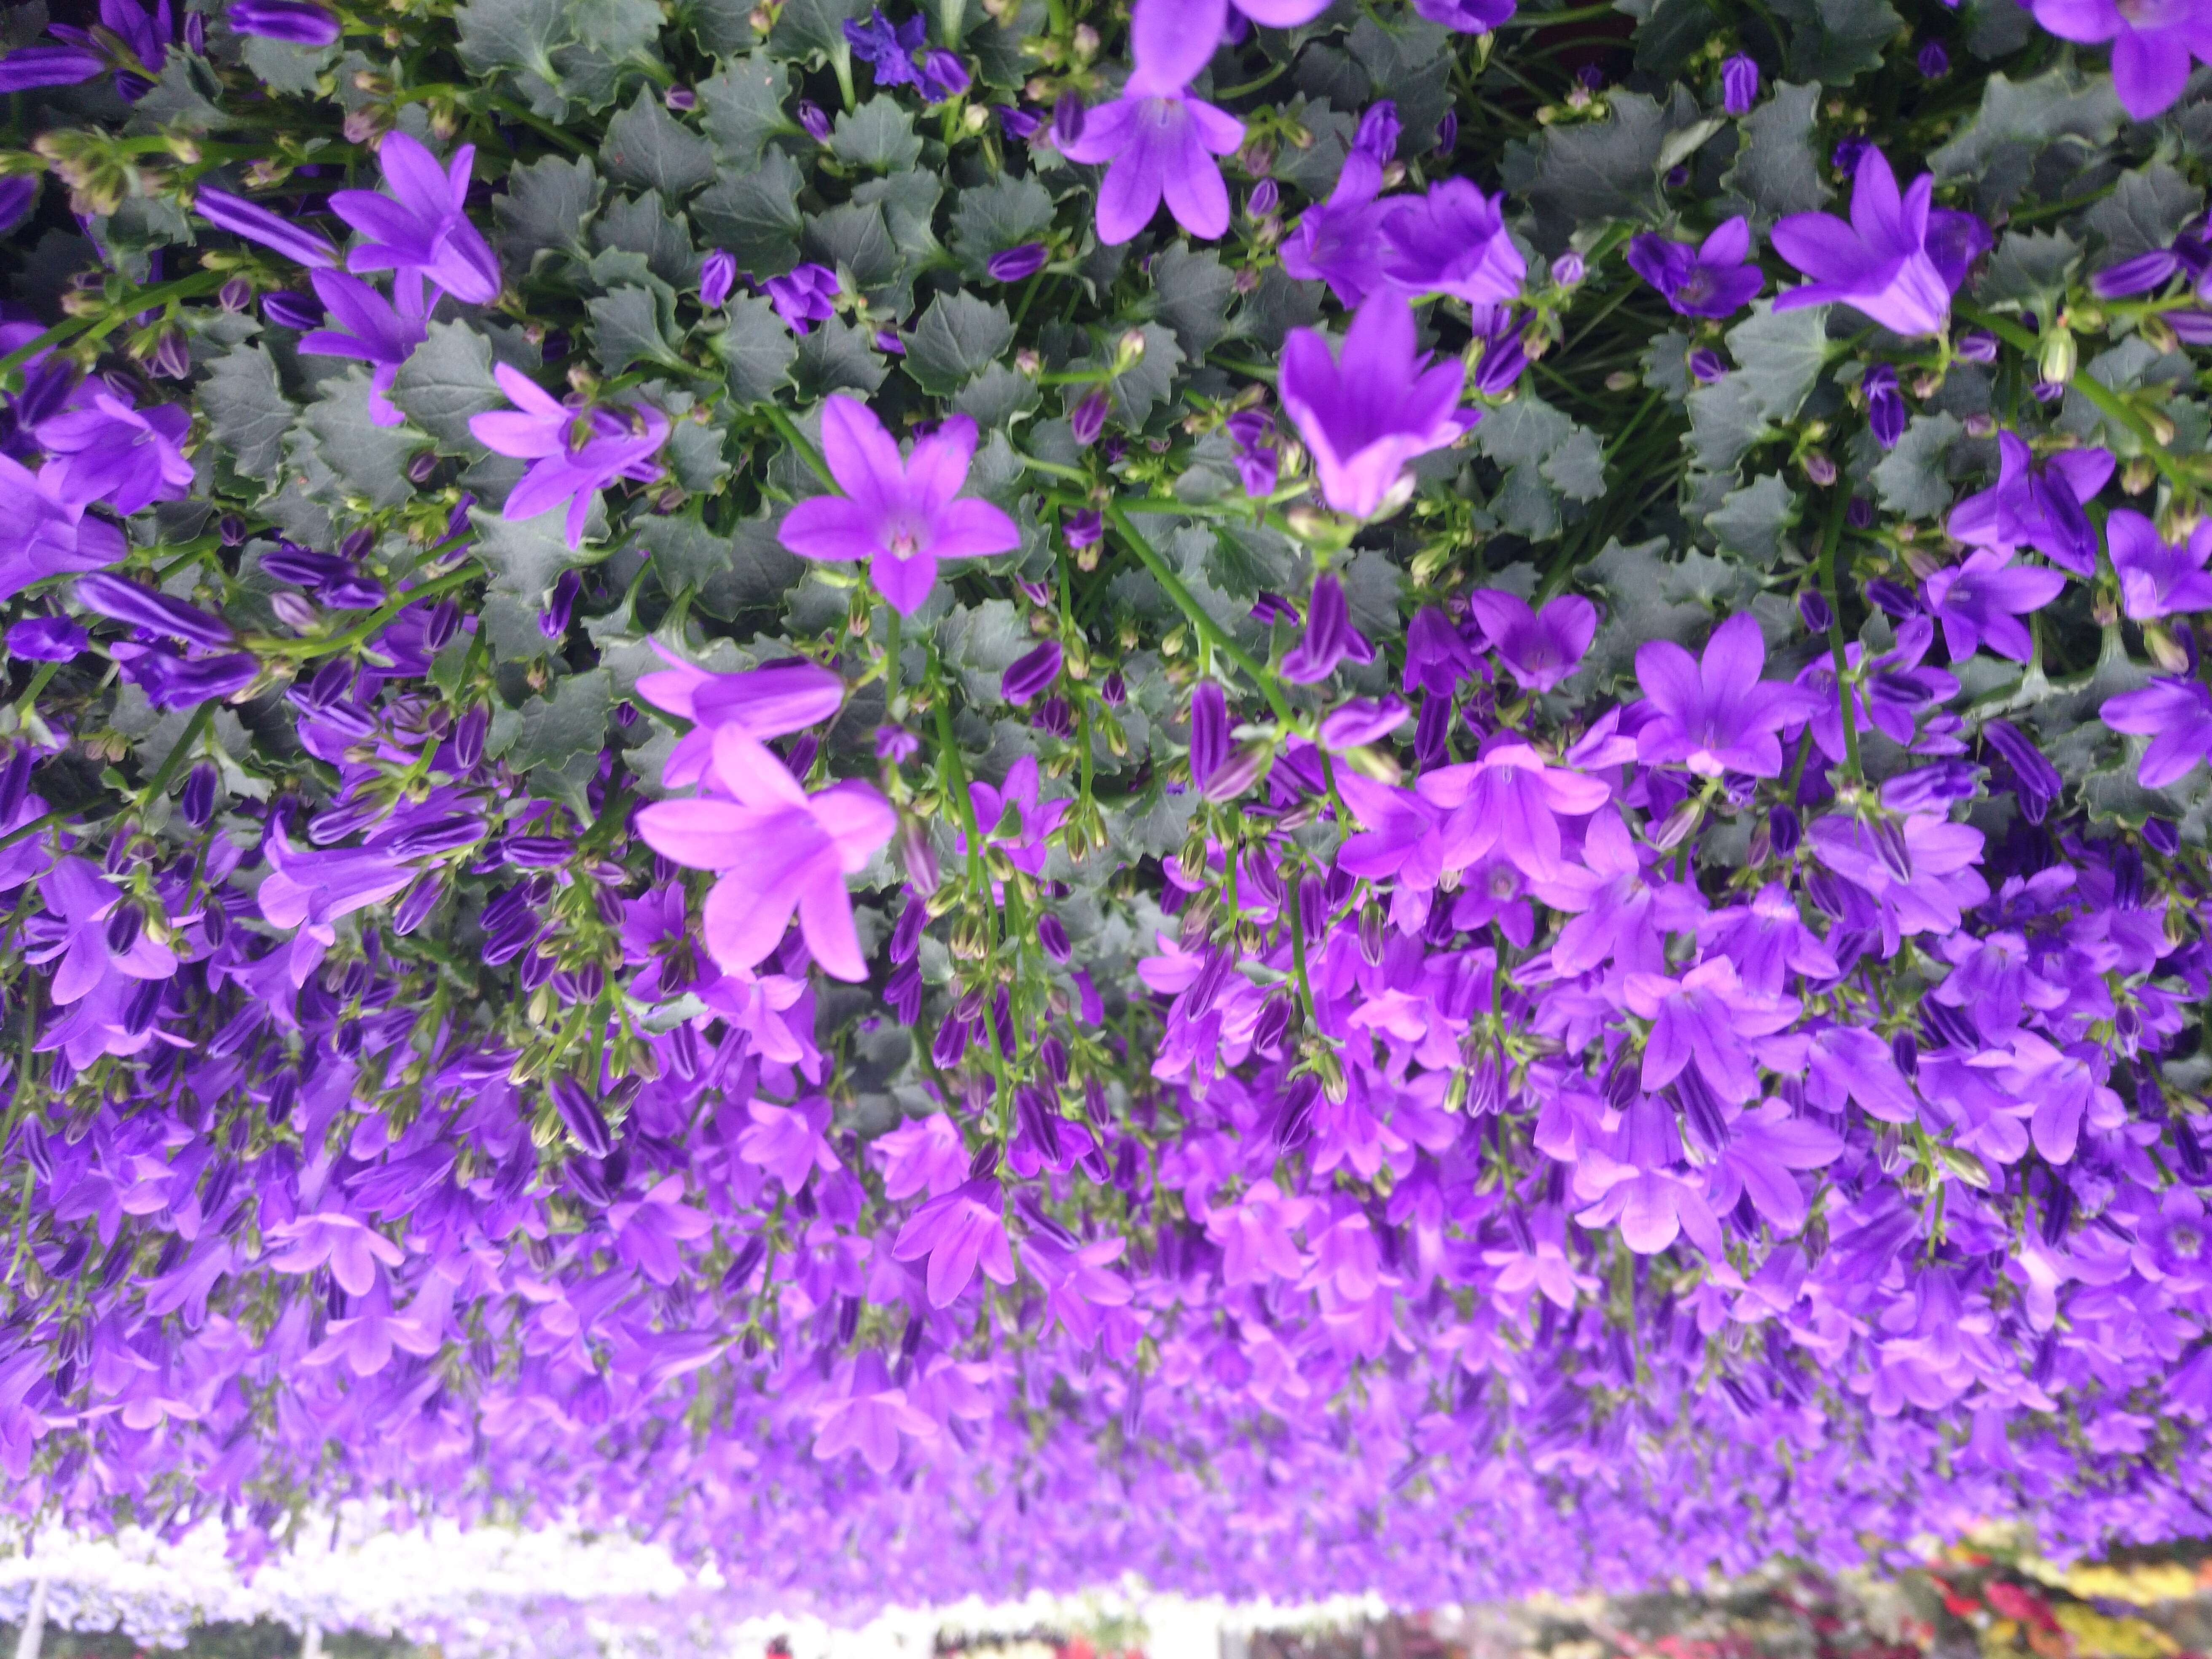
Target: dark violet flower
x=1716 y=714
x=1981 y=601
x=1899 y=260
x=1378 y=131
x=1707 y=365
x=902 y=515
x=1266 y=196
x=298 y=311
x=2152 y=45
x=1714 y=279
x=1340 y=241
x=1438 y=658
x=1935 y=62
x=45 y=639
x=2176 y=716
x=573 y=457
x=372 y=329
x=1084 y=528
x=107 y=451
x=1885 y=405
x=1258 y=466
x=1209 y=731
x=1569 y=269
x=887 y=48
x=718 y=274
x=144 y=607
x=1503 y=357
x=2036 y=504
x=172 y=682
x=1016 y=263
x=302 y=22
x=28 y=67
x=1467 y=16
x=423 y=224
x=1448 y=133
x=19 y=193
x=1812 y=611
x=1018 y=124
x=1539 y=648
x=2157 y=579
x=1030 y=673
x=1366 y=412
x=888 y=342
x=942 y=75
x=1453 y=240
x=1088 y=418
x=1329 y=638
x=257 y=224
x=812 y=117
x=1977 y=345
x=1017 y=817
x=1739 y=84
x=1157 y=141
x=895 y=746
x=803 y=296
x=1892 y=598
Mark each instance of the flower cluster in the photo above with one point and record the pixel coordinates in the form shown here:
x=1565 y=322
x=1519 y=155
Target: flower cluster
x=1299 y=797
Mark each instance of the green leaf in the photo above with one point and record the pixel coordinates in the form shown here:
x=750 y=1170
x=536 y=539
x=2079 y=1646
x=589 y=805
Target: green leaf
x=995 y=217
x=513 y=34
x=744 y=106
x=370 y=459
x=879 y=135
x=758 y=349
x=1650 y=596
x=248 y=411
x=694 y=454
x=996 y=396
x=633 y=325
x=1577 y=468
x=1594 y=170
x=1780 y=356
x=554 y=733
x=447 y=379
x=724 y=27
x=284 y=67
x=910 y=204
x=815 y=28
x=1777 y=171
x=2030 y=270
x=1753 y=521
x=2017 y=120
x=838 y=356
x=755 y=216
x=1835 y=42
x=1196 y=293
x=957 y=337
x=648 y=148
x=854 y=242
x=1247 y=560
x=748 y=570
x=641 y=225
x=525 y=556
x=1913 y=479
x=617 y=30
x=2145 y=211
x=1411 y=64
x=1725 y=421
x=979 y=643
x=544 y=209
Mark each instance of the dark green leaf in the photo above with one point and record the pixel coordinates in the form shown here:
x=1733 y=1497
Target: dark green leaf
x=724 y=27
x=2029 y=271
x=1594 y=170
x=729 y=574
x=957 y=335
x=1753 y=521
x=369 y=460
x=994 y=218
x=755 y=216
x=815 y=28
x=525 y=556
x=546 y=205
x=1411 y=64
x=838 y=356
x=758 y=348
x=248 y=411
x=1650 y=596
x=556 y=734
x=910 y=204
x=1913 y=479
x=641 y=225
x=513 y=34
x=853 y=242
x=1835 y=42
x=2145 y=211
x=1196 y=293
x=2017 y=120
x=447 y=379
x=1777 y=171
x=633 y=325
x=996 y=396
x=1150 y=380
x=648 y=148
x=744 y=106
x=879 y=135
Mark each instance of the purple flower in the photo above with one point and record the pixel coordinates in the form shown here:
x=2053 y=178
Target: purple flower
x=1365 y=413
x=1467 y=16
x=1935 y=62
x=897 y=55
x=423 y=225
x=106 y=451
x=774 y=849
x=803 y=296
x=1084 y=528
x=1338 y=241
x=895 y=746
x=1707 y=365
x=901 y=515
x=1252 y=431
x=964 y=1230
x=1712 y=280
x=2176 y=716
x=2156 y=579
x=170 y=681
x=28 y=68
x=372 y=329
x=303 y=23
x=257 y=224
x=1539 y=648
x=1898 y=261
x=1016 y=263
x=18 y=193
x=1453 y=240
x=2152 y=45
x=1021 y=795
x=1714 y=714
x=144 y=607
x=1158 y=140
x=943 y=75
x=572 y=456
x=1569 y=269
x=43 y=534
x=1739 y=84
x=1438 y=660
x=1030 y=673
x=1981 y=602
x=1209 y=731
x=1885 y=405
x=1378 y=131
x=765 y=702
x=45 y=639
x=1016 y=123
x=718 y=274
x=1703 y=1019
x=1329 y=638
x=1266 y=196
x=2036 y=505
x=294 y=310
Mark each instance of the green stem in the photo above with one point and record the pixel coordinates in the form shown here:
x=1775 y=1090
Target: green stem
x=185 y=288
x=789 y=430
x=1829 y=538
x=2100 y=397
x=1205 y=626
x=175 y=758
x=390 y=609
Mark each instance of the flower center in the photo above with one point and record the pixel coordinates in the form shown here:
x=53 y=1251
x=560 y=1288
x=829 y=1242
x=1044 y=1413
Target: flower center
x=904 y=542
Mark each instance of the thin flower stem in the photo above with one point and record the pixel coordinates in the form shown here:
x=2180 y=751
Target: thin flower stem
x=185 y=288
x=39 y=682
x=789 y=430
x=1205 y=626
x=1829 y=538
x=178 y=752
x=390 y=609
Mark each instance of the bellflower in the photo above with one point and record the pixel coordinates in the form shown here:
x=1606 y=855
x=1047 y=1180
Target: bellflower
x=1340 y=241
x=718 y=274
x=614 y=443
x=771 y=702
x=1899 y=260
x=45 y=639
x=1013 y=816
x=374 y=330
x=1329 y=638
x=1159 y=141
x=1716 y=714
x=43 y=533
x=28 y=67
x=2036 y=505
x=423 y=225
x=2157 y=579
x=112 y=452
x=803 y=296
x=2152 y=45
x=1714 y=279
x=903 y=516
x=1739 y=84
x=302 y=22
x=1539 y=648
x=964 y=1230
x=2176 y=716
x=1467 y=16
x=257 y=224
x=1453 y=240
x=775 y=848
x=1368 y=410
x=1981 y=602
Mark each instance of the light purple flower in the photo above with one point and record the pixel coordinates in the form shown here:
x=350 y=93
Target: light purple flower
x=303 y=23
x=1453 y=240
x=964 y=1230
x=2036 y=505
x=1159 y=141
x=1021 y=791
x=374 y=330
x=1898 y=260
x=1340 y=241
x=110 y=452
x=2151 y=44
x=43 y=533
x=572 y=456
x=803 y=296
x=1366 y=412
x=774 y=849
x=1714 y=714
x=1981 y=601
x=2157 y=579
x=423 y=224
x=2176 y=716
x=257 y=224
x=1739 y=84
x=1714 y=279
x=1539 y=648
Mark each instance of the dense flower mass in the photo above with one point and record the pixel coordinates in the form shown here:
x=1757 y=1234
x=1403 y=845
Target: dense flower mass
x=732 y=804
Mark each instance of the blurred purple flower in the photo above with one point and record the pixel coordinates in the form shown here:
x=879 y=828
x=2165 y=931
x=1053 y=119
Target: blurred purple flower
x=257 y=224
x=45 y=639
x=2157 y=579
x=1739 y=84
x=1467 y=16
x=1981 y=601
x=1338 y=241
x=1885 y=405
x=1030 y=673
x=803 y=296
x=1329 y=638
x=2037 y=505
x=1714 y=279
x=2152 y=46
x=718 y=274
x=573 y=456
x=302 y=22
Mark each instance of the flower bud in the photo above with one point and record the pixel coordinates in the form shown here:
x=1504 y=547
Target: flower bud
x=2058 y=358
